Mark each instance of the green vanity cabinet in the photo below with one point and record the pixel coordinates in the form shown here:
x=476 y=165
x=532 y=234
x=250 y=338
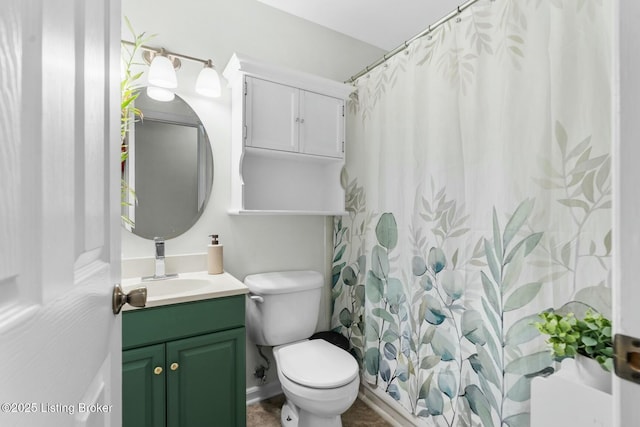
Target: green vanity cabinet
x=143 y=386
x=184 y=365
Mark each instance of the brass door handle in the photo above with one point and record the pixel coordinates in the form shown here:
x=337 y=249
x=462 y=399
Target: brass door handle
x=136 y=297
x=174 y=366
x=157 y=370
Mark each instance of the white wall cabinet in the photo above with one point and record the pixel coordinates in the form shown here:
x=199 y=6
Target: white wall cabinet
x=287 y=140
x=282 y=117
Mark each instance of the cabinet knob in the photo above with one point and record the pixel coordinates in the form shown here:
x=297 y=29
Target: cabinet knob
x=174 y=366
x=302 y=121
x=297 y=119
x=157 y=370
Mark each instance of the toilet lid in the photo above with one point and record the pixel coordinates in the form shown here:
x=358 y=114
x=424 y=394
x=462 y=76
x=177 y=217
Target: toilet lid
x=317 y=364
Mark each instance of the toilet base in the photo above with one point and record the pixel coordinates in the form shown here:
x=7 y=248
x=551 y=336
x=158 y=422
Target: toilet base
x=289 y=415
x=292 y=416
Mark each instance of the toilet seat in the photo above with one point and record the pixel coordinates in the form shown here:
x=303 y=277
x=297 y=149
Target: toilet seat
x=317 y=364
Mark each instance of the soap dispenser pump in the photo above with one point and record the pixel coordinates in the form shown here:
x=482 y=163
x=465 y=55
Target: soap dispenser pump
x=214 y=256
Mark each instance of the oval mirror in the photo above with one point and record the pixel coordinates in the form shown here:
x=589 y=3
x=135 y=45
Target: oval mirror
x=169 y=169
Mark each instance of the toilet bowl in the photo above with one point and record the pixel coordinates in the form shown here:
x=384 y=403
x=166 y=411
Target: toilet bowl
x=319 y=380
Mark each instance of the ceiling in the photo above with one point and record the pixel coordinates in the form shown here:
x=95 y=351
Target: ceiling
x=382 y=23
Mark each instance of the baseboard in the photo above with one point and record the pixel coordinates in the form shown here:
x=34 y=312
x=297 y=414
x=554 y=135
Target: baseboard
x=261 y=392
x=388 y=409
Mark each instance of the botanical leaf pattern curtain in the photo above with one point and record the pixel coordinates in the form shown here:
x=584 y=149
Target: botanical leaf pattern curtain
x=479 y=194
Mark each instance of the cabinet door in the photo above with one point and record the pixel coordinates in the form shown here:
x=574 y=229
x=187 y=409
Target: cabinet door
x=271 y=115
x=143 y=387
x=206 y=380
x=321 y=124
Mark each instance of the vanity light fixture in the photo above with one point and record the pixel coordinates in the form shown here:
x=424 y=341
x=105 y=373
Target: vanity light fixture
x=162 y=73
x=162 y=69
x=208 y=82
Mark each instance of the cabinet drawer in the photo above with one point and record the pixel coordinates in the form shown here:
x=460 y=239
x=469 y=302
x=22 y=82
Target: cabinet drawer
x=169 y=322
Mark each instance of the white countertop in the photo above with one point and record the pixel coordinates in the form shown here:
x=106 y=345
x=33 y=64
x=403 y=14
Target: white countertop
x=186 y=287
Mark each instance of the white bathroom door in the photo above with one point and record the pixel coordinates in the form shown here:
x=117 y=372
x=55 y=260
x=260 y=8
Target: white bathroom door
x=626 y=273
x=60 y=343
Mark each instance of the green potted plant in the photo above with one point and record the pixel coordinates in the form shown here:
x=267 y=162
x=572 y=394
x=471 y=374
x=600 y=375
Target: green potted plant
x=129 y=114
x=586 y=339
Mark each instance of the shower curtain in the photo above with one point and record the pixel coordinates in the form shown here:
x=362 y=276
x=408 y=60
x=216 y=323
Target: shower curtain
x=478 y=195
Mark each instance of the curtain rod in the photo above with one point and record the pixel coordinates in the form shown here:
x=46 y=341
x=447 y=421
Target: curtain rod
x=406 y=44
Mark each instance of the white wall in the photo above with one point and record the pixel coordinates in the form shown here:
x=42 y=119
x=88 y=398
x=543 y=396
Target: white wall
x=215 y=29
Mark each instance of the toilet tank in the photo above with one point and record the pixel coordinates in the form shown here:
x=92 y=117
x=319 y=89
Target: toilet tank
x=284 y=307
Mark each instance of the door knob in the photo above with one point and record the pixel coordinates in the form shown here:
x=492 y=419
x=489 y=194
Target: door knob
x=136 y=297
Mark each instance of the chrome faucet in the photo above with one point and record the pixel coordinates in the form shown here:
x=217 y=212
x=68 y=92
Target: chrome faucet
x=160 y=272
x=159 y=242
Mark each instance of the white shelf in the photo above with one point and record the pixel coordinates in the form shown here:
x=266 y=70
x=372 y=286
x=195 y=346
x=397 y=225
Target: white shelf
x=287 y=212
x=280 y=154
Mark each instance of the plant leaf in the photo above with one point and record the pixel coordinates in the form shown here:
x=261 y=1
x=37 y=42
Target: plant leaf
x=522 y=331
x=492 y=319
x=574 y=203
x=561 y=138
x=429 y=362
x=390 y=351
x=472 y=326
x=530 y=242
x=452 y=284
x=345 y=317
x=512 y=270
x=434 y=313
x=447 y=383
x=490 y=292
x=518 y=420
x=521 y=390
x=493 y=264
x=478 y=404
x=425 y=387
x=482 y=363
x=374 y=288
x=435 y=402
x=522 y=296
x=516 y=221
x=372 y=360
x=395 y=292
x=383 y=314
x=437 y=260
x=603 y=174
x=418 y=266
x=380 y=262
x=530 y=363
x=385 y=371
x=387 y=231
x=348 y=275
x=497 y=241
x=443 y=346
x=579 y=149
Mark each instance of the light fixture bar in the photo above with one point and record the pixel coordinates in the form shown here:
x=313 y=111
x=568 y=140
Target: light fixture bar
x=158 y=50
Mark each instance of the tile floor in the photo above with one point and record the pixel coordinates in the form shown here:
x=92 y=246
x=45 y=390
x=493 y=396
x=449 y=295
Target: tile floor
x=267 y=414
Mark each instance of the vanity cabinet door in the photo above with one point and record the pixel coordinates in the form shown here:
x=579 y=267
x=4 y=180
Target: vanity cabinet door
x=321 y=125
x=143 y=387
x=206 y=380
x=271 y=115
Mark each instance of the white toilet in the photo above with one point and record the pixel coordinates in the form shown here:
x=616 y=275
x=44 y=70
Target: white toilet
x=319 y=380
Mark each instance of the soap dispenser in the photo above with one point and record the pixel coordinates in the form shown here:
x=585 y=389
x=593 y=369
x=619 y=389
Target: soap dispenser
x=214 y=256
